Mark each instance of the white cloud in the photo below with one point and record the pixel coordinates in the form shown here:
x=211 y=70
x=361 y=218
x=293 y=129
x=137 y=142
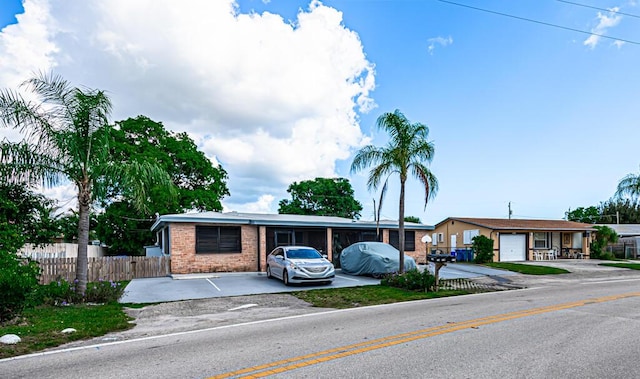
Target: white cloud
x=273 y=101
x=605 y=22
x=25 y=47
x=264 y=204
x=442 y=41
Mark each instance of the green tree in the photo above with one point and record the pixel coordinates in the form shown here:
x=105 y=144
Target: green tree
x=413 y=219
x=66 y=137
x=24 y=216
x=603 y=237
x=618 y=210
x=68 y=226
x=408 y=152
x=200 y=185
x=589 y=215
x=31 y=214
x=321 y=197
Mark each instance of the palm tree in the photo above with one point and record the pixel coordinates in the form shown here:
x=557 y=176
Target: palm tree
x=66 y=137
x=407 y=153
x=629 y=186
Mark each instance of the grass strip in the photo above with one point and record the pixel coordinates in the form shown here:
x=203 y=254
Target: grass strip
x=527 y=269
x=352 y=297
x=632 y=266
x=40 y=327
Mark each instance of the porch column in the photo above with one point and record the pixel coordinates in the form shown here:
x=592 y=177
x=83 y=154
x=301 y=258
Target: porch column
x=262 y=242
x=586 y=252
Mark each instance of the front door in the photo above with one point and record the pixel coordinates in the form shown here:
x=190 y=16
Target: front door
x=454 y=240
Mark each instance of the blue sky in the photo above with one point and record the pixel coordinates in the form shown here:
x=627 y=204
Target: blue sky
x=519 y=112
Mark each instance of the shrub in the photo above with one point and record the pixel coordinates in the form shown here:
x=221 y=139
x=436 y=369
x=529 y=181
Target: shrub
x=18 y=282
x=62 y=292
x=604 y=236
x=483 y=249
x=412 y=280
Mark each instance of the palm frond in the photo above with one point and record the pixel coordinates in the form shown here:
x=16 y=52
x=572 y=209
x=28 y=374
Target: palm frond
x=137 y=177
x=427 y=179
x=21 y=162
x=407 y=152
x=629 y=186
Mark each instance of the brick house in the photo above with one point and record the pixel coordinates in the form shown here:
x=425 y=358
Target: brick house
x=515 y=239
x=240 y=242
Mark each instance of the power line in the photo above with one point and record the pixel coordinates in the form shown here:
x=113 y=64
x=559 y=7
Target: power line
x=538 y=22
x=600 y=9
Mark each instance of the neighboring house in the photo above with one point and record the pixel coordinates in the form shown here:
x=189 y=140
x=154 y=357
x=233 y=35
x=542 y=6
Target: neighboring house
x=227 y=242
x=628 y=245
x=515 y=239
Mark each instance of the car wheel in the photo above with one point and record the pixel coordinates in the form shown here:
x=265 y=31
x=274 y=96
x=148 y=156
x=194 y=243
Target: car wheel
x=285 y=277
x=269 y=272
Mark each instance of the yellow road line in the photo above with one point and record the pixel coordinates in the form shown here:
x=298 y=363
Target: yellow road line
x=379 y=343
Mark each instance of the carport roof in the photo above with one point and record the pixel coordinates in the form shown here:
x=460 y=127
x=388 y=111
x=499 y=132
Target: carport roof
x=266 y=219
x=625 y=230
x=522 y=224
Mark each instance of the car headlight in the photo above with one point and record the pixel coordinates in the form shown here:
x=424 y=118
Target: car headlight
x=293 y=266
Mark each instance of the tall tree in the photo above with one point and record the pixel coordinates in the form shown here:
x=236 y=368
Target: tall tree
x=66 y=137
x=200 y=184
x=618 y=210
x=30 y=214
x=322 y=197
x=408 y=152
x=413 y=219
x=589 y=215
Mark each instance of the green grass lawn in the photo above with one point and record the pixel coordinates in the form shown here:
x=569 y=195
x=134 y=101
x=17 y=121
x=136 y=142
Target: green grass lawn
x=632 y=266
x=366 y=295
x=40 y=328
x=527 y=269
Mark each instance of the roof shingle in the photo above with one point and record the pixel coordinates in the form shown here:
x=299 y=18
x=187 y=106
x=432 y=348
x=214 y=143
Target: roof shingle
x=521 y=224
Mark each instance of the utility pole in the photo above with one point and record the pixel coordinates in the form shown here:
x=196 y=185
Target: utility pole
x=510 y=212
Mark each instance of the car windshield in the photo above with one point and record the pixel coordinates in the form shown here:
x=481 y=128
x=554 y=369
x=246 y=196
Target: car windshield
x=303 y=254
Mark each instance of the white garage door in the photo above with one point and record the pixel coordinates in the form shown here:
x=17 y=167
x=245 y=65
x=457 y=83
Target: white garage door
x=512 y=247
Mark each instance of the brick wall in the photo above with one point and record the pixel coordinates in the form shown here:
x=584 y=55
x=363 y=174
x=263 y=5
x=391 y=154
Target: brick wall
x=184 y=259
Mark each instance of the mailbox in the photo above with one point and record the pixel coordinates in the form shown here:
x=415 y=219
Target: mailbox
x=444 y=258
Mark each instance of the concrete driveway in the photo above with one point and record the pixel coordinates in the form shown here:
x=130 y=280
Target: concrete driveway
x=203 y=286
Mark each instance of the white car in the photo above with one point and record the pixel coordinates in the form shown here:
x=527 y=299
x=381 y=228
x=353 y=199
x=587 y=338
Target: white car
x=299 y=264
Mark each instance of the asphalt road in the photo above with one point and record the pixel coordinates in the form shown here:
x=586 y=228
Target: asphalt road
x=584 y=327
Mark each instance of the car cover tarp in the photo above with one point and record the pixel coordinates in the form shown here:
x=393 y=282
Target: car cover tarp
x=372 y=258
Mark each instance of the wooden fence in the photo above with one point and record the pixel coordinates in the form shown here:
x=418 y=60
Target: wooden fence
x=105 y=268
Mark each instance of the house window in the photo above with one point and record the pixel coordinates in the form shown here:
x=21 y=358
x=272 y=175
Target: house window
x=409 y=239
x=218 y=239
x=434 y=239
x=467 y=236
x=540 y=240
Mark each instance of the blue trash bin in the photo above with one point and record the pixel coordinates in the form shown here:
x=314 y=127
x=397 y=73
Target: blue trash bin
x=469 y=255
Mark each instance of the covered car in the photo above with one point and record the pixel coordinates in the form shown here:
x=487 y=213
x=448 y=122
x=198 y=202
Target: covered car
x=373 y=258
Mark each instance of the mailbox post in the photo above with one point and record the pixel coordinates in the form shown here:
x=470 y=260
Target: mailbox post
x=440 y=260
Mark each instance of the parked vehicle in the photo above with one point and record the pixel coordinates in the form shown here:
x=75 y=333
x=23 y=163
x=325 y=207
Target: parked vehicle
x=299 y=264
x=373 y=258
